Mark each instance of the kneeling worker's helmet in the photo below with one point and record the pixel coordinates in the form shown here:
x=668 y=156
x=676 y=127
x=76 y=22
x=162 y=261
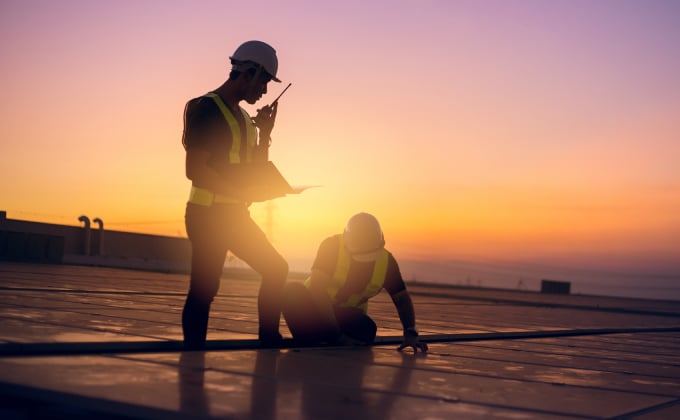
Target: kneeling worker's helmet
x=363 y=237
x=253 y=54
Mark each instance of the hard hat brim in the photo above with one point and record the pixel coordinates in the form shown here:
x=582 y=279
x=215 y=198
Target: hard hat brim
x=243 y=65
x=367 y=256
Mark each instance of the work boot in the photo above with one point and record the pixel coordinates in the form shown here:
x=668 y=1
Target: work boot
x=270 y=339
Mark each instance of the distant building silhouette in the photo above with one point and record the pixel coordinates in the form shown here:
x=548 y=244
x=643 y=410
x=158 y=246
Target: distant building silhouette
x=27 y=241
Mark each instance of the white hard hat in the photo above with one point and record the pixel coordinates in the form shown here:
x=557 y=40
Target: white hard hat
x=363 y=237
x=256 y=52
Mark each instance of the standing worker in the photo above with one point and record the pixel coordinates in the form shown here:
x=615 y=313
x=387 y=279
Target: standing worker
x=218 y=136
x=349 y=269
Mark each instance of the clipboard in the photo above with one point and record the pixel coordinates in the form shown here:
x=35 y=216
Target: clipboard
x=260 y=181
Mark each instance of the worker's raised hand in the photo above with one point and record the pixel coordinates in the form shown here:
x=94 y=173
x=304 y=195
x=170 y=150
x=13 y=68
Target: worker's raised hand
x=413 y=342
x=264 y=120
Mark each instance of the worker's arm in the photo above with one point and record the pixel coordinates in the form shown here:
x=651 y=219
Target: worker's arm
x=318 y=285
x=261 y=153
x=204 y=176
x=264 y=121
x=404 y=304
x=319 y=281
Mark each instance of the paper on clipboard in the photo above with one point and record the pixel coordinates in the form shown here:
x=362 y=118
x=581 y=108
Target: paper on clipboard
x=297 y=189
x=261 y=181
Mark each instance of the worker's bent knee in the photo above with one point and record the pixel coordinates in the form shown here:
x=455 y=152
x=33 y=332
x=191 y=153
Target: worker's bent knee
x=281 y=268
x=295 y=294
x=202 y=295
x=356 y=324
x=276 y=272
x=204 y=292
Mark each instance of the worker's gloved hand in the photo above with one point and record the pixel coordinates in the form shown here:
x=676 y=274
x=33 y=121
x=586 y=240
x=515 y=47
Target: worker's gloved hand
x=264 y=121
x=413 y=342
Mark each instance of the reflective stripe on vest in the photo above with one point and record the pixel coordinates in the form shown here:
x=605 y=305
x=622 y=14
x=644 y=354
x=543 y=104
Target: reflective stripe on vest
x=251 y=132
x=204 y=197
x=374 y=286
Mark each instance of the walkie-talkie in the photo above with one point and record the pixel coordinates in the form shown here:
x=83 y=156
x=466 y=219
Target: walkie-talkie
x=280 y=94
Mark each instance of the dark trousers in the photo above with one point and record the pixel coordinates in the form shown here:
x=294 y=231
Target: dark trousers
x=213 y=231
x=308 y=326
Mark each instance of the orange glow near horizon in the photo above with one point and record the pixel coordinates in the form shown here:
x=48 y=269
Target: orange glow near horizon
x=471 y=130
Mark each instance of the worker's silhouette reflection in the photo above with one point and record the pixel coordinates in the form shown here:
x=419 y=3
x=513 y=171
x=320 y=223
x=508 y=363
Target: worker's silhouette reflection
x=329 y=381
x=263 y=392
x=193 y=398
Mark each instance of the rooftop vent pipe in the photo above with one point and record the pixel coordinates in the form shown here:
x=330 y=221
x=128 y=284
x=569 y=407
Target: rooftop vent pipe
x=100 y=242
x=86 y=221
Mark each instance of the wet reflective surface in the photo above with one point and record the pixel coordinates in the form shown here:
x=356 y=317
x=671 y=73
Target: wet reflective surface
x=596 y=376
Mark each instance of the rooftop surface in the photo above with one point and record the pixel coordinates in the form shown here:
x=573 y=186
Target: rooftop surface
x=83 y=342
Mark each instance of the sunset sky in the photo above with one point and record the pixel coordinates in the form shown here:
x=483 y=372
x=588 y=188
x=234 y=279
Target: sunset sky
x=511 y=129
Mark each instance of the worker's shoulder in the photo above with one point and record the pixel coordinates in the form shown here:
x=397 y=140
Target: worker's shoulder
x=330 y=241
x=329 y=246
x=333 y=239
x=201 y=107
x=391 y=261
x=390 y=256
x=203 y=102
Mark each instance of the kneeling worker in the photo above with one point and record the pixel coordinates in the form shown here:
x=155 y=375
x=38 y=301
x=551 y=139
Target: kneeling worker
x=350 y=268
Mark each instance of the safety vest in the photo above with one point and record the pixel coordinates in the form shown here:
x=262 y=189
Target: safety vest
x=339 y=279
x=204 y=197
